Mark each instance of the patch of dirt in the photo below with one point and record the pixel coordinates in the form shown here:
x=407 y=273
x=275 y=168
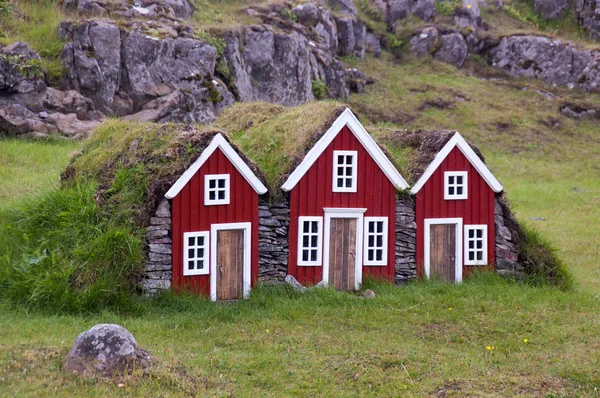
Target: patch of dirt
x=551 y=123
x=385 y=115
x=449 y=386
x=436 y=103
x=503 y=126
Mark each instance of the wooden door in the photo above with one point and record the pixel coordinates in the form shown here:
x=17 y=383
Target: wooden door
x=342 y=253
x=442 y=251
x=230 y=264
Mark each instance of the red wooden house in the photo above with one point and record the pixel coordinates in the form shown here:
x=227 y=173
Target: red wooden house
x=455 y=213
x=215 y=224
x=342 y=209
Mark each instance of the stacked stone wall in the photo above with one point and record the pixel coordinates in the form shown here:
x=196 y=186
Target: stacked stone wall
x=507 y=241
x=160 y=247
x=273 y=247
x=406 y=240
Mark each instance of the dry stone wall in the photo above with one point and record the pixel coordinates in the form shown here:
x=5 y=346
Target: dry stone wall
x=273 y=247
x=406 y=240
x=507 y=247
x=160 y=247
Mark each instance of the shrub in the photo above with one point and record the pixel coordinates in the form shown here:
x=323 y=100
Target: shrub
x=320 y=89
x=447 y=7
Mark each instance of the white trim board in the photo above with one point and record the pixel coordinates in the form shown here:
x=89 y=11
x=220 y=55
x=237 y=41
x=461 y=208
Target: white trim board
x=347 y=118
x=214 y=228
x=217 y=142
x=458 y=141
x=358 y=214
x=458 y=263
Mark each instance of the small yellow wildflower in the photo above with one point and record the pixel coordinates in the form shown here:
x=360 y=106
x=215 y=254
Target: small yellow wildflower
x=449 y=308
x=488 y=347
x=267 y=330
x=469 y=6
x=525 y=341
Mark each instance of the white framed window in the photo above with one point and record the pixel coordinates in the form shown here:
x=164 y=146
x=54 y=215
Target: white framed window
x=195 y=253
x=310 y=240
x=475 y=244
x=344 y=171
x=455 y=185
x=376 y=240
x=216 y=189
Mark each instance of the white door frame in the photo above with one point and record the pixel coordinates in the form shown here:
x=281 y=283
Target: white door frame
x=458 y=222
x=214 y=228
x=356 y=213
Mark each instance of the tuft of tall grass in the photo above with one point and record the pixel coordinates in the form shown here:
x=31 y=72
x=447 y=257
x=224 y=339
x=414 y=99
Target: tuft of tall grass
x=61 y=252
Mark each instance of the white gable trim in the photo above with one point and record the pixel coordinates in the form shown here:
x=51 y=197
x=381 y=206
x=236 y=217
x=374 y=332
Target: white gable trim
x=458 y=141
x=217 y=142
x=347 y=118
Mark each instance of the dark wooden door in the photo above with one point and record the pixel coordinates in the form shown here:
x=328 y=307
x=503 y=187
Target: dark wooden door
x=442 y=251
x=230 y=264
x=342 y=253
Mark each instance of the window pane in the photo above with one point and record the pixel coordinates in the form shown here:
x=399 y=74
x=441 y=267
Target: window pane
x=349 y=159
x=379 y=255
x=200 y=253
x=379 y=240
x=479 y=256
x=451 y=180
x=305 y=226
x=450 y=190
x=191 y=241
x=212 y=184
x=480 y=233
x=190 y=265
x=340 y=171
x=314 y=239
x=313 y=255
x=480 y=244
x=221 y=195
x=305 y=241
x=370 y=254
x=211 y=195
x=222 y=183
x=371 y=240
x=340 y=182
x=340 y=159
x=371 y=226
x=471 y=256
x=314 y=229
x=459 y=190
x=348 y=182
x=471 y=244
x=380 y=226
x=201 y=241
x=305 y=255
x=200 y=264
x=349 y=171
x=471 y=234
x=190 y=253
x=459 y=180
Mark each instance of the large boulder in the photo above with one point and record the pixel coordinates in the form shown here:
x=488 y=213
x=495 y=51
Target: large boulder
x=468 y=14
x=16 y=74
x=453 y=50
x=105 y=350
x=588 y=16
x=551 y=9
x=424 y=43
x=268 y=65
x=70 y=102
x=16 y=119
x=346 y=6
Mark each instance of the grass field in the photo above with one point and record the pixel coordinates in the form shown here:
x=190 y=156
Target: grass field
x=486 y=337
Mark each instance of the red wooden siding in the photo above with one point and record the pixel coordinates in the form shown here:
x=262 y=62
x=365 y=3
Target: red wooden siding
x=478 y=208
x=190 y=215
x=314 y=192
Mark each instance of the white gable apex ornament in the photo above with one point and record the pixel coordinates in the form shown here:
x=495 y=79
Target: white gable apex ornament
x=347 y=118
x=217 y=142
x=458 y=141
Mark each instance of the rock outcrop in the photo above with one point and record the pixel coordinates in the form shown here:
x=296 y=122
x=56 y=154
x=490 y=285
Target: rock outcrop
x=178 y=9
x=450 y=48
x=105 y=350
x=551 y=9
x=552 y=60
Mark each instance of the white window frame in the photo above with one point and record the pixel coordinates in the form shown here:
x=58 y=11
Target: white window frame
x=216 y=177
x=458 y=261
x=475 y=227
x=384 y=247
x=319 y=260
x=354 y=155
x=186 y=247
x=465 y=185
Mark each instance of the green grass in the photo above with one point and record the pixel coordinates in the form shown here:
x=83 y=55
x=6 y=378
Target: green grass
x=36 y=23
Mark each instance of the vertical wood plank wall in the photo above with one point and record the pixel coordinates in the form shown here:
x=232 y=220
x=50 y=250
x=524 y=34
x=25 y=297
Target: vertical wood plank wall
x=190 y=214
x=314 y=192
x=478 y=208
